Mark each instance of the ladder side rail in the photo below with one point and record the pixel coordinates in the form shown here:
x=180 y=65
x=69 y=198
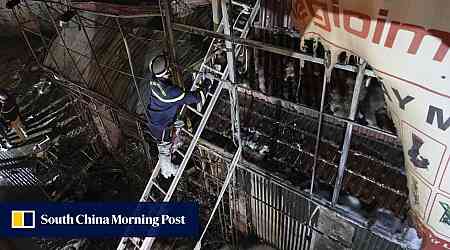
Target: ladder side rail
x=148 y=241
x=203 y=65
x=219 y=29
x=155 y=171
x=230 y=174
x=251 y=19
x=149 y=185
x=195 y=139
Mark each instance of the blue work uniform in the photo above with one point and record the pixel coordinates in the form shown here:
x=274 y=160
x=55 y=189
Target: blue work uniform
x=165 y=101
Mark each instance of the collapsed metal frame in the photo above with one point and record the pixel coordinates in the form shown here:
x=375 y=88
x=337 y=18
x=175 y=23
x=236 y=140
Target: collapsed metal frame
x=274 y=205
x=229 y=39
x=361 y=71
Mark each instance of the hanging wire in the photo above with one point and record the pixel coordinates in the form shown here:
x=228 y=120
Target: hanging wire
x=102 y=73
x=41 y=36
x=98 y=12
x=99 y=24
x=25 y=37
x=131 y=67
x=65 y=45
x=327 y=74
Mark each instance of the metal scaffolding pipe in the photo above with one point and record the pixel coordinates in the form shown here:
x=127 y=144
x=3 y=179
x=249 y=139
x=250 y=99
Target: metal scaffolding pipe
x=64 y=44
x=234 y=100
x=263 y=46
x=327 y=74
x=73 y=86
x=102 y=73
x=88 y=57
x=131 y=68
x=25 y=37
x=98 y=13
x=348 y=132
x=170 y=41
x=230 y=174
x=41 y=36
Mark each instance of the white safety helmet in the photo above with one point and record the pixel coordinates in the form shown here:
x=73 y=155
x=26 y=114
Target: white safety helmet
x=159 y=66
x=3 y=97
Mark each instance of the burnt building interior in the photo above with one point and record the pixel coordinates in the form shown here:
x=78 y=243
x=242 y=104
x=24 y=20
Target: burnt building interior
x=277 y=158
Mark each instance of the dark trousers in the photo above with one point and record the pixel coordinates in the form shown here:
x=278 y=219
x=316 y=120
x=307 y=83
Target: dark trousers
x=161 y=134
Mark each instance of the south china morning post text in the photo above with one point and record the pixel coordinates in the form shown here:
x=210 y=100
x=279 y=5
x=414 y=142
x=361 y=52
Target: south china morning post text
x=172 y=219
x=85 y=219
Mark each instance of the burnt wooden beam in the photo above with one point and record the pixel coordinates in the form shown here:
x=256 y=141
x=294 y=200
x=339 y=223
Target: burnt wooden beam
x=110 y=9
x=263 y=46
x=170 y=41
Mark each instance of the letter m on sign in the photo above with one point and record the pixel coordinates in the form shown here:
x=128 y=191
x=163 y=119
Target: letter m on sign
x=439 y=114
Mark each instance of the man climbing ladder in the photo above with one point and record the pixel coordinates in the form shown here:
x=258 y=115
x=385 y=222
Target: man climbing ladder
x=165 y=101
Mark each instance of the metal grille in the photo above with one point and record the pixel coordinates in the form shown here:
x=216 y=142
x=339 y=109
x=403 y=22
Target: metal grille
x=277 y=215
x=274 y=211
x=20 y=177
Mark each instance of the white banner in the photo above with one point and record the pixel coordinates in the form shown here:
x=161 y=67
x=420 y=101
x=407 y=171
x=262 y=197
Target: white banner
x=406 y=42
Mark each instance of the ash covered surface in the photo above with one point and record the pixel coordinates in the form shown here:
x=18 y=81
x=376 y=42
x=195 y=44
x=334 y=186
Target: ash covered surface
x=282 y=142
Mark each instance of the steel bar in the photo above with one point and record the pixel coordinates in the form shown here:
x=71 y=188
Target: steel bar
x=251 y=168
x=79 y=89
x=230 y=174
x=326 y=76
x=216 y=13
x=107 y=6
x=138 y=92
x=148 y=242
x=102 y=73
x=307 y=110
x=229 y=46
x=25 y=37
x=41 y=36
x=102 y=25
x=170 y=41
x=65 y=45
x=144 y=143
x=263 y=46
x=348 y=133
x=88 y=57
x=299 y=83
x=235 y=126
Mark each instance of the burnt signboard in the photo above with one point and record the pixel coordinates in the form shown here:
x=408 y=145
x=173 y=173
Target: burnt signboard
x=407 y=45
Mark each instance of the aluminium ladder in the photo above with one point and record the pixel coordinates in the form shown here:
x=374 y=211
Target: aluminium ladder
x=241 y=28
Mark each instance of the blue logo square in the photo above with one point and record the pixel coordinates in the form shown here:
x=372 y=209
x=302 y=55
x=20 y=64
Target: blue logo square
x=28 y=219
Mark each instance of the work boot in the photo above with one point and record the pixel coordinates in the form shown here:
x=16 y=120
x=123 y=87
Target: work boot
x=177 y=142
x=165 y=160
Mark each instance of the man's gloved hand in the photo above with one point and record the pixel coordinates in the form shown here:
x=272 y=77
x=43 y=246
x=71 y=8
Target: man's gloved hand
x=207 y=82
x=207 y=76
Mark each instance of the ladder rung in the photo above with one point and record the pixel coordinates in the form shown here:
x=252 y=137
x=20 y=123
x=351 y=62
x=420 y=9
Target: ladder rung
x=136 y=241
x=159 y=188
x=210 y=94
x=213 y=70
x=181 y=153
x=187 y=132
x=150 y=197
x=240 y=4
x=194 y=110
x=239 y=29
